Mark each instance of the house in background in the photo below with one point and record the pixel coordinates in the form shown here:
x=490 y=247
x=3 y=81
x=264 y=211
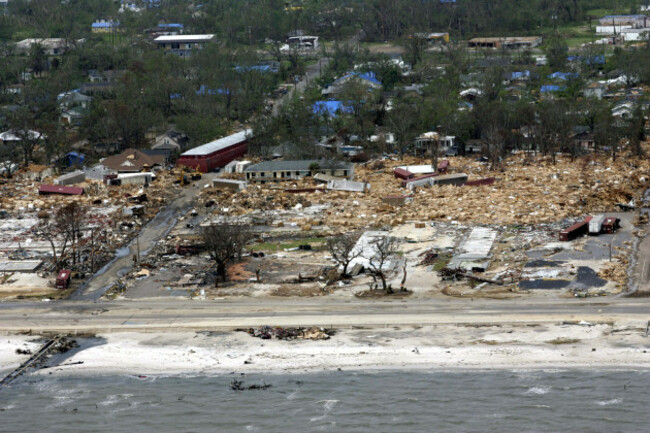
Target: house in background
x=506 y=42
x=108 y=76
x=301 y=42
x=584 y=138
x=132 y=161
x=635 y=35
x=183 y=45
x=166 y=29
x=615 y=24
x=14 y=137
x=73 y=105
x=51 y=46
x=366 y=79
x=73 y=99
x=595 y=90
x=173 y=141
x=283 y=171
x=623 y=109
x=102 y=81
x=104 y=26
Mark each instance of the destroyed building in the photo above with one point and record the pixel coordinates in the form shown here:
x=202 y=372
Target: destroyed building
x=282 y=171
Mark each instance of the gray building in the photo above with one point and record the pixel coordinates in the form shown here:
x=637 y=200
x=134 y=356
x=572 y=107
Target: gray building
x=282 y=171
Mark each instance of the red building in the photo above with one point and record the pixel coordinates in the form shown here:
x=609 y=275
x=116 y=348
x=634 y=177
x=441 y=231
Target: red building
x=216 y=153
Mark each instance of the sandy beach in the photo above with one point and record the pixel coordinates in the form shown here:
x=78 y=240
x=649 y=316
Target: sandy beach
x=445 y=346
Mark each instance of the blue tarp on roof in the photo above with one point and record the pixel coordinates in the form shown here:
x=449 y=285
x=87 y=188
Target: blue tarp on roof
x=596 y=60
x=331 y=108
x=260 y=68
x=203 y=90
x=549 y=88
x=64 y=94
x=174 y=25
x=74 y=158
x=563 y=75
x=519 y=75
x=622 y=16
x=105 y=25
x=593 y=60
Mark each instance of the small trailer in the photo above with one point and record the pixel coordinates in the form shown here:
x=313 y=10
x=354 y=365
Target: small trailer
x=596 y=225
x=611 y=224
x=400 y=173
x=63 y=279
x=480 y=182
x=575 y=231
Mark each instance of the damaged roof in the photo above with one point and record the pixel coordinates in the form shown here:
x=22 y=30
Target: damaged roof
x=303 y=165
x=132 y=160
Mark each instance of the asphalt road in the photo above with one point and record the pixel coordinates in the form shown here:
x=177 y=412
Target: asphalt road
x=220 y=315
x=312 y=72
x=151 y=232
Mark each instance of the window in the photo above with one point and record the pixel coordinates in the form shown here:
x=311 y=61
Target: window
x=175 y=46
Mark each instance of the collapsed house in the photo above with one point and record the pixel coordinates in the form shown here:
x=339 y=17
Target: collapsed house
x=282 y=171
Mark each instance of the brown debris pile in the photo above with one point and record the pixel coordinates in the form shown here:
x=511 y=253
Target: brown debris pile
x=525 y=192
x=616 y=271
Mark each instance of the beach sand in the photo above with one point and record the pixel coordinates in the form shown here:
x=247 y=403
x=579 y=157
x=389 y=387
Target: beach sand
x=430 y=347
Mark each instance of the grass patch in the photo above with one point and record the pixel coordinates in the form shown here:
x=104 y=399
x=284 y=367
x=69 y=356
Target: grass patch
x=441 y=263
x=599 y=12
x=577 y=41
x=560 y=340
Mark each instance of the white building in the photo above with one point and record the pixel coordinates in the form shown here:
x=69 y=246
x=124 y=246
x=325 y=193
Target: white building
x=633 y=35
x=612 y=29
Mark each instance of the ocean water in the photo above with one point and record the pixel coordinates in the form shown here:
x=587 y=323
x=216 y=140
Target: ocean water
x=337 y=401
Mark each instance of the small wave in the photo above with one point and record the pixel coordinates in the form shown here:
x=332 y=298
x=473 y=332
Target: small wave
x=293 y=395
x=537 y=390
x=328 y=405
x=114 y=399
x=610 y=402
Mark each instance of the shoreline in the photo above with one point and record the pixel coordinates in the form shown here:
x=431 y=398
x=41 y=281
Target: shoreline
x=433 y=348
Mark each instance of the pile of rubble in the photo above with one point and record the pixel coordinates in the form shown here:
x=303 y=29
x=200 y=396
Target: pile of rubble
x=616 y=271
x=525 y=192
x=117 y=211
x=313 y=333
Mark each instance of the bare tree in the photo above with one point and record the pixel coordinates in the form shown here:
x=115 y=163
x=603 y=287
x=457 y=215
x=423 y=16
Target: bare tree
x=72 y=218
x=224 y=243
x=343 y=252
x=54 y=232
x=384 y=249
x=636 y=131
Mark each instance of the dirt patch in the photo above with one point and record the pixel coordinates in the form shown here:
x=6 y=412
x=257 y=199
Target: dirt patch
x=560 y=340
x=382 y=294
x=288 y=290
x=239 y=272
x=494 y=342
